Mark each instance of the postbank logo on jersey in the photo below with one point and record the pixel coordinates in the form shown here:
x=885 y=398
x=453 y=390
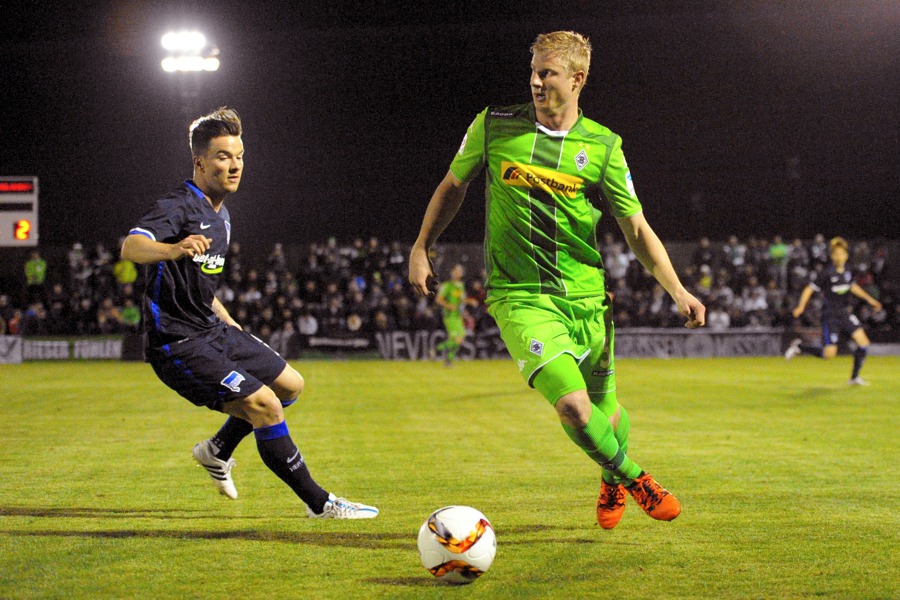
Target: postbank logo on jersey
x=211 y=265
x=531 y=176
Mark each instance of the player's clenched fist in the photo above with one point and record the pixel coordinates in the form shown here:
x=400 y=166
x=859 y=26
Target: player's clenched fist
x=193 y=245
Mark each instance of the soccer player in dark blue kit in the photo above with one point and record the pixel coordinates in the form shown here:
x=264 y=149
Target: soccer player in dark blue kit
x=194 y=345
x=836 y=283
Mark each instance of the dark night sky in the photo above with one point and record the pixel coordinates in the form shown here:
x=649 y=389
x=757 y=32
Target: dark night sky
x=353 y=114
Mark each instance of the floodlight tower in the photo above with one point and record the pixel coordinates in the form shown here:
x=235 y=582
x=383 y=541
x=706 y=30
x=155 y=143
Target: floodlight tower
x=189 y=56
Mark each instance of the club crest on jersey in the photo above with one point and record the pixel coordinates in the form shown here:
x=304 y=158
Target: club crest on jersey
x=233 y=381
x=211 y=265
x=581 y=160
x=536 y=347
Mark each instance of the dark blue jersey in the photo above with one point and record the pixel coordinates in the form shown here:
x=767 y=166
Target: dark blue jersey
x=836 y=290
x=179 y=295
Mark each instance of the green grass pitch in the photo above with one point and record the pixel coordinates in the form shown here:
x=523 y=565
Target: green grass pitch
x=787 y=478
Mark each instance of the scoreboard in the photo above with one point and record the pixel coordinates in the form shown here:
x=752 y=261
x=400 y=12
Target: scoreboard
x=18 y=211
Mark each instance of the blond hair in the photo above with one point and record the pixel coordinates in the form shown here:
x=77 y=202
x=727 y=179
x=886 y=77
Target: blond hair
x=573 y=48
x=838 y=242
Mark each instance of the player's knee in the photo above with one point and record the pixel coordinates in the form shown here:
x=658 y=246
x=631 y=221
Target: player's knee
x=263 y=407
x=296 y=385
x=574 y=409
x=288 y=386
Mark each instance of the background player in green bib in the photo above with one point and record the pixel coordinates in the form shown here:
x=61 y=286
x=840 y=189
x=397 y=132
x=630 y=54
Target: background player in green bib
x=547 y=166
x=451 y=297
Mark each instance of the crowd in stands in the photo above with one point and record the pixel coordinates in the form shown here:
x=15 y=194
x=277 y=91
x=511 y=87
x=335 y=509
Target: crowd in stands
x=345 y=290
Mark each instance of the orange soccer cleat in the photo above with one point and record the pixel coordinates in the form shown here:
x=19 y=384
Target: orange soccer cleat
x=610 y=504
x=656 y=501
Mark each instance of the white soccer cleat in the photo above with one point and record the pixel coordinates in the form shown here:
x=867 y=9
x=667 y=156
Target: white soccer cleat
x=219 y=470
x=793 y=350
x=341 y=508
x=858 y=381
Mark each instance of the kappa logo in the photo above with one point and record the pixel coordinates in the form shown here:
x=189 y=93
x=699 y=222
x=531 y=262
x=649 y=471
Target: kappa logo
x=233 y=381
x=521 y=364
x=581 y=160
x=536 y=347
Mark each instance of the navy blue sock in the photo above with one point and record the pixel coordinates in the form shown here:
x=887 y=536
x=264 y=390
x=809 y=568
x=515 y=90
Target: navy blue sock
x=811 y=349
x=278 y=451
x=233 y=431
x=859 y=357
x=229 y=436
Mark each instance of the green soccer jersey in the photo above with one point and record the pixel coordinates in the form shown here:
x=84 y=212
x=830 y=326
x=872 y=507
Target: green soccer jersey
x=453 y=293
x=543 y=191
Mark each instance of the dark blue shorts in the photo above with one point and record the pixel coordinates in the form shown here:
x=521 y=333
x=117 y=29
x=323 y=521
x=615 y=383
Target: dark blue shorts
x=835 y=325
x=223 y=365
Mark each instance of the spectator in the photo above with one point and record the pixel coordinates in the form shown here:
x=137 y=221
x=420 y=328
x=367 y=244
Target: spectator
x=778 y=259
x=307 y=325
x=819 y=250
x=109 y=319
x=277 y=261
x=125 y=272
x=281 y=339
x=717 y=318
x=35 y=274
x=131 y=315
x=735 y=254
x=616 y=263
x=704 y=254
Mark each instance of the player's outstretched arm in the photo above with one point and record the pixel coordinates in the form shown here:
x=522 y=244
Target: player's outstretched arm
x=444 y=205
x=857 y=291
x=805 y=295
x=648 y=249
x=142 y=250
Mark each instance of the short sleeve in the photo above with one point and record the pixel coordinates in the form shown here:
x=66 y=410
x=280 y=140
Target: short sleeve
x=617 y=185
x=163 y=221
x=470 y=158
x=813 y=277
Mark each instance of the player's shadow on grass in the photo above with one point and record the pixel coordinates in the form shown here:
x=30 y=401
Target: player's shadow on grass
x=124 y=513
x=385 y=541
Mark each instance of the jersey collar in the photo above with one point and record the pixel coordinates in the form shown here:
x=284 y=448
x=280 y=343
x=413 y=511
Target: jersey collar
x=532 y=113
x=193 y=187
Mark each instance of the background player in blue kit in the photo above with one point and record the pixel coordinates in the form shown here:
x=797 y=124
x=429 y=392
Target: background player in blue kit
x=194 y=345
x=836 y=283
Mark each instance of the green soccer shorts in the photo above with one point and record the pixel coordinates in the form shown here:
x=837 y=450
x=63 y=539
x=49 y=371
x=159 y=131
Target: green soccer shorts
x=539 y=328
x=453 y=323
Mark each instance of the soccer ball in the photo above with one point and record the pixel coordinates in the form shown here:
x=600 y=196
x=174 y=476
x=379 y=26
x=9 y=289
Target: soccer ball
x=457 y=544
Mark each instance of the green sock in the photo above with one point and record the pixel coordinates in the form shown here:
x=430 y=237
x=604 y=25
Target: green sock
x=599 y=442
x=452 y=349
x=621 y=433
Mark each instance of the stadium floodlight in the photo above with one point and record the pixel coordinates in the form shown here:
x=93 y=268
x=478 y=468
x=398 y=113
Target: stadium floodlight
x=188 y=52
x=184 y=41
x=185 y=64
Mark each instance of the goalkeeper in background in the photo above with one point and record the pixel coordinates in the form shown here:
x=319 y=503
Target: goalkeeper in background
x=547 y=168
